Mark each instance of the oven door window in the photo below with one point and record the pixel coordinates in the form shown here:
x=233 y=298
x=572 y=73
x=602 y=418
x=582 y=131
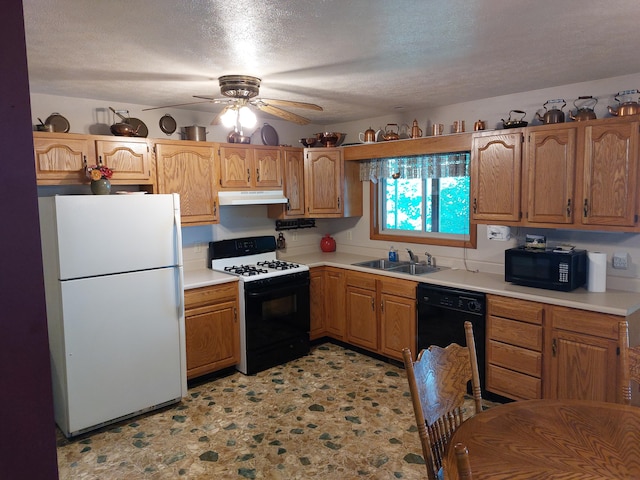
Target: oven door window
x=276 y=314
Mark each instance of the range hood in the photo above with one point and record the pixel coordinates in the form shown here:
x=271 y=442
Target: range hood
x=251 y=197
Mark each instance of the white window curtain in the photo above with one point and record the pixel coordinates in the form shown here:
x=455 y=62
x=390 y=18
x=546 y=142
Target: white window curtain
x=417 y=166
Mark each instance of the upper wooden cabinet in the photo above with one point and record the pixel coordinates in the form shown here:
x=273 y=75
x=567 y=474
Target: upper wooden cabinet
x=575 y=175
x=332 y=187
x=550 y=173
x=244 y=167
x=188 y=168
x=293 y=185
x=610 y=174
x=496 y=164
x=61 y=158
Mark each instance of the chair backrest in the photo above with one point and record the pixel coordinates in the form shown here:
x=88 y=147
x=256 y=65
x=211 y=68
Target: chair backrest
x=629 y=364
x=462 y=462
x=438 y=385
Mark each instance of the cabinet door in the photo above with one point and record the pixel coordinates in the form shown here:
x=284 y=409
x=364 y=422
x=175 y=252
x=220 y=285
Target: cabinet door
x=610 y=174
x=268 y=167
x=323 y=181
x=551 y=157
x=62 y=159
x=189 y=170
x=362 y=326
x=294 y=181
x=236 y=167
x=129 y=159
x=397 y=325
x=583 y=367
x=317 y=295
x=334 y=288
x=496 y=164
x=212 y=338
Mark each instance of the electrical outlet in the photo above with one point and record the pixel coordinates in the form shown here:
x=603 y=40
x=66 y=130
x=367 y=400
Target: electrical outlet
x=198 y=248
x=620 y=260
x=294 y=236
x=349 y=235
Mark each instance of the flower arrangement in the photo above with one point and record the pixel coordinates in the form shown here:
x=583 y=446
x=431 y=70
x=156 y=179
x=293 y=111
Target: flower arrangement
x=96 y=172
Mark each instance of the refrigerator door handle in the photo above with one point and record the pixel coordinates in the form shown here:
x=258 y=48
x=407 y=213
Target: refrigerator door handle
x=178 y=245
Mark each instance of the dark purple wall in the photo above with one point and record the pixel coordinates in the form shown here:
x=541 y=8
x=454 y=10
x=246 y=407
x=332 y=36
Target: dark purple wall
x=27 y=430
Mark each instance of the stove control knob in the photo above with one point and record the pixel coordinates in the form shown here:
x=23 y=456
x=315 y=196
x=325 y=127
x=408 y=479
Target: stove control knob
x=474 y=306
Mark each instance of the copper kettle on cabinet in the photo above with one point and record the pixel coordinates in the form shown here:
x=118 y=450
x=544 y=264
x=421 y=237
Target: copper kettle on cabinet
x=628 y=107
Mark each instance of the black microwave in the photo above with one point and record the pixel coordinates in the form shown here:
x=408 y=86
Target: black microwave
x=548 y=269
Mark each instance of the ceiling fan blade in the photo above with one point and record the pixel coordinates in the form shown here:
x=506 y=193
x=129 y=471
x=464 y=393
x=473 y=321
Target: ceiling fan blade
x=176 y=105
x=288 y=103
x=278 y=112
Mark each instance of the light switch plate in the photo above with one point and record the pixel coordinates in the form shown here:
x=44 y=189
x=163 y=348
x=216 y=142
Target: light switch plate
x=620 y=260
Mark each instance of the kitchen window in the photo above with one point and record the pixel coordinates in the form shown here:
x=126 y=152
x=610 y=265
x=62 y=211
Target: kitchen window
x=421 y=199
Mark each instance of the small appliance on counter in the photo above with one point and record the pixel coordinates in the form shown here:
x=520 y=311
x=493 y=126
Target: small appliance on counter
x=562 y=269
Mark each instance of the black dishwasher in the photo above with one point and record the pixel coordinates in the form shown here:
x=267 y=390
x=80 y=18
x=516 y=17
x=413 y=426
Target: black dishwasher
x=442 y=312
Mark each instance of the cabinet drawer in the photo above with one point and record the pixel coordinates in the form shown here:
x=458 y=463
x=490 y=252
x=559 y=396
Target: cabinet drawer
x=588 y=323
x=508 y=383
x=516 y=333
x=361 y=280
x=400 y=288
x=206 y=295
x=515 y=358
x=522 y=310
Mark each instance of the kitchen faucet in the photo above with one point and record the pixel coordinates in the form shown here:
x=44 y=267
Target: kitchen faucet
x=412 y=256
x=431 y=261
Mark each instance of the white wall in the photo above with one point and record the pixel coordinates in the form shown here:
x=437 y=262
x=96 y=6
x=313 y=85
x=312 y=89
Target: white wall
x=93 y=116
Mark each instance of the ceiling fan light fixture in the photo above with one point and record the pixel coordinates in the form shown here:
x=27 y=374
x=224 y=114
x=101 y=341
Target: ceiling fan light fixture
x=246 y=117
x=230 y=117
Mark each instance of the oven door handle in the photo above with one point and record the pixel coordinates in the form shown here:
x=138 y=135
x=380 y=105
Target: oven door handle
x=277 y=291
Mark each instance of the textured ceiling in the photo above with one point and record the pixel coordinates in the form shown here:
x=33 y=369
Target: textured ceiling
x=356 y=58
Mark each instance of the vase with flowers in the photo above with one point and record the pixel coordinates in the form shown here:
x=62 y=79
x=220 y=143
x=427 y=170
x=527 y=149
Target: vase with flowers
x=100 y=183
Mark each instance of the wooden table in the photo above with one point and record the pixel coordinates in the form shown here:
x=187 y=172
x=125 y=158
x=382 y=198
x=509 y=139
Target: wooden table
x=551 y=439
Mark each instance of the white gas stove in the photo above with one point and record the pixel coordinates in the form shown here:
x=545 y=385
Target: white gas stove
x=256 y=267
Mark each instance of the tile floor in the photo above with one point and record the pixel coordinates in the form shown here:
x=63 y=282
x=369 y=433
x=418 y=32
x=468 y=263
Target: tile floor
x=333 y=414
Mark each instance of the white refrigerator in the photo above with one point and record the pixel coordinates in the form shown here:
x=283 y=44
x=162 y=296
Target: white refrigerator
x=115 y=306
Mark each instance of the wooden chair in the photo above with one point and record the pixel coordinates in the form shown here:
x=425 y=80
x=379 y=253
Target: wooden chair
x=629 y=364
x=438 y=385
x=462 y=462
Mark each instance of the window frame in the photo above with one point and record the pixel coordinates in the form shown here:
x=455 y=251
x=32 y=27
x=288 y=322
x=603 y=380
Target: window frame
x=424 y=238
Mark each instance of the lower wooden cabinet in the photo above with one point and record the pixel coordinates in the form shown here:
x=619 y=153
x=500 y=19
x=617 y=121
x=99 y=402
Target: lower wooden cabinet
x=584 y=355
x=536 y=350
x=381 y=313
x=514 y=347
x=334 y=302
x=212 y=328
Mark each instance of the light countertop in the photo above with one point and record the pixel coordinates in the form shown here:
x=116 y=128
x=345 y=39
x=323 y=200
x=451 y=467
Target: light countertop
x=614 y=302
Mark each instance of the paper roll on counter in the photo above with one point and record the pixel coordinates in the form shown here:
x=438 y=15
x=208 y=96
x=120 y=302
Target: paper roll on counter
x=596 y=272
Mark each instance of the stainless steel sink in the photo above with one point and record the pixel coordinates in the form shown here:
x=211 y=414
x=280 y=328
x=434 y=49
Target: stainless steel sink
x=381 y=264
x=415 y=269
x=400 y=267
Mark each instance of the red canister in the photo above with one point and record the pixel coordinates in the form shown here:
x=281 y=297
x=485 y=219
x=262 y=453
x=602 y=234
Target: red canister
x=328 y=244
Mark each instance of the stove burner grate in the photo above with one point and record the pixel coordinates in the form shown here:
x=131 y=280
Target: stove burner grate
x=245 y=270
x=278 y=265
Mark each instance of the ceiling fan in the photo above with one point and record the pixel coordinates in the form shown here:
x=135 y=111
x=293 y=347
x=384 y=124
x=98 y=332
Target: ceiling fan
x=241 y=91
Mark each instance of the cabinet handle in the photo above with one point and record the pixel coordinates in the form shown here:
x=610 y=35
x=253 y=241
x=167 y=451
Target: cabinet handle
x=215 y=208
x=235 y=315
x=288 y=206
x=84 y=160
x=382 y=307
x=373 y=305
x=568 y=207
x=248 y=175
x=585 y=207
x=99 y=160
x=475 y=206
x=257 y=175
x=554 y=347
x=338 y=202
